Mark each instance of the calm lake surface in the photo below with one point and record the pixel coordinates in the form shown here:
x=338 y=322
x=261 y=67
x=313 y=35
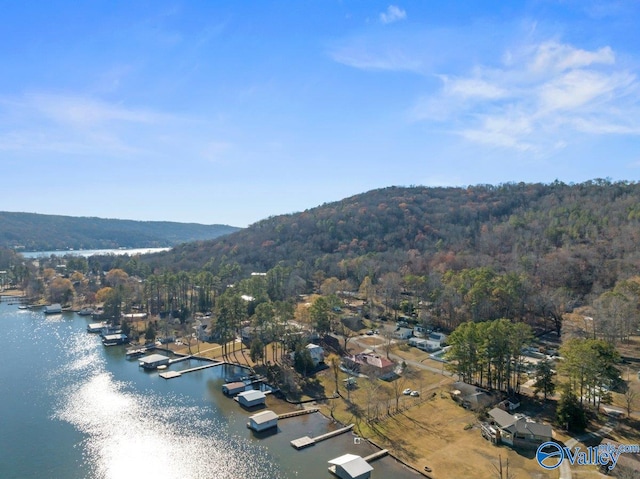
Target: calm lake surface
x=74 y=409
x=90 y=252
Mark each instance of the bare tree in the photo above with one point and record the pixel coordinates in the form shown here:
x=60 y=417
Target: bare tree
x=630 y=398
x=503 y=473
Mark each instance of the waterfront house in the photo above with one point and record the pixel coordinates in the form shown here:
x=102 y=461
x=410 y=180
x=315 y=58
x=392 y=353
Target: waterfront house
x=251 y=398
x=152 y=361
x=316 y=352
x=350 y=466
x=518 y=430
x=263 y=420
x=369 y=363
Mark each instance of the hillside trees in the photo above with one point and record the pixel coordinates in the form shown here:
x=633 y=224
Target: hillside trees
x=616 y=314
x=479 y=294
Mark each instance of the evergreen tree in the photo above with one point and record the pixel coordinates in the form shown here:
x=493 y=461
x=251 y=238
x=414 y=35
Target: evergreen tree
x=544 y=376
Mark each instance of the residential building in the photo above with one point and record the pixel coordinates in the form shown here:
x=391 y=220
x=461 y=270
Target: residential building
x=518 y=430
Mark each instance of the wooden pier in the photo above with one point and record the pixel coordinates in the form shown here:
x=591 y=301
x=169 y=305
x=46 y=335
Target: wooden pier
x=307 y=441
x=376 y=455
x=177 y=374
x=301 y=412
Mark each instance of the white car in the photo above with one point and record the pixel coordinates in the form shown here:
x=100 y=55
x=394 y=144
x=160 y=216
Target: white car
x=414 y=393
x=407 y=391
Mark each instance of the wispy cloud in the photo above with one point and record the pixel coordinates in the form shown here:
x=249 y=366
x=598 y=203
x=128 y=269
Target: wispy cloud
x=537 y=99
x=393 y=14
x=75 y=125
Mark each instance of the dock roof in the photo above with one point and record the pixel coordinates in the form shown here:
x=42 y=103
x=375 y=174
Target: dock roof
x=153 y=358
x=354 y=466
x=252 y=395
x=263 y=417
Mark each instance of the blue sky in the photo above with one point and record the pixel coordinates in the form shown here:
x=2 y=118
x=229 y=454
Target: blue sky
x=230 y=112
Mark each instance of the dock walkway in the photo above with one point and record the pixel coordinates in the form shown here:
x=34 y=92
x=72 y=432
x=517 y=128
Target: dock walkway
x=376 y=455
x=177 y=374
x=297 y=413
x=307 y=441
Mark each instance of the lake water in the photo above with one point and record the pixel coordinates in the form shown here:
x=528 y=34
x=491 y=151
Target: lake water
x=74 y=409
x=90 y=252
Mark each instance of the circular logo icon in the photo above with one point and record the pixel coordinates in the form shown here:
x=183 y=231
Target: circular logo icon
x=549 y=455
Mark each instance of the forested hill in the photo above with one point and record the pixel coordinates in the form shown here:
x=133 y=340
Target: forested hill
x=582 y=236
x=36 y=232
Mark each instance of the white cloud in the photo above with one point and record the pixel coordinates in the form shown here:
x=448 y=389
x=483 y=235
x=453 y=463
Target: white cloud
x=359 y=54
x=473 y=88
x=537 y=99
x=393 y=14
x=78 y=125
x=554 y=56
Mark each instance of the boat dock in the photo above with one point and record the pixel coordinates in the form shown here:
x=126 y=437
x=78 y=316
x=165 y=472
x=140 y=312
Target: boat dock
x=376 y=455
x=297 y=413
x=307 y=441
x=177 y=374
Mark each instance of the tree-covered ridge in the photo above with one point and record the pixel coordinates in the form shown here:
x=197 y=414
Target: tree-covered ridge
x=36 y=232
x=577 y=235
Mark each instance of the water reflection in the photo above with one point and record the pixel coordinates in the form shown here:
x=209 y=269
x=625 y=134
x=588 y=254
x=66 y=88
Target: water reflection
x=131 y=434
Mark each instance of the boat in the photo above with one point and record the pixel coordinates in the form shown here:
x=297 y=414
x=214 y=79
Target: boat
x=86 y=312
x=135 y=353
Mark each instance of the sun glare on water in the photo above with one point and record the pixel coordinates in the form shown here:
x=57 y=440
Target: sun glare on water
x=133 y=435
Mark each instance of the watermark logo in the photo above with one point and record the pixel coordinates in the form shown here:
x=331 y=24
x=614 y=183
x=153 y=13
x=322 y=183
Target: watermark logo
x=550 y=455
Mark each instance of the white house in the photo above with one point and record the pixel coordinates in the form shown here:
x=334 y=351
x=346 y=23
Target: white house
x=316 y=352
x=350 y=466
x=435 y=340
x=402 y=333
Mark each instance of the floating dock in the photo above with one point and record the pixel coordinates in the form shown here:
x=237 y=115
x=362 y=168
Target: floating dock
x=307 y=441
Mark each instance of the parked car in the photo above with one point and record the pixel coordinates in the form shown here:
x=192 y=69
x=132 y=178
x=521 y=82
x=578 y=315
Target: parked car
x=407 y=391
x=370 y=333
x=414 y=393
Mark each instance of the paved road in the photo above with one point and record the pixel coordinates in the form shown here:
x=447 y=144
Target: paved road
x=565 y=469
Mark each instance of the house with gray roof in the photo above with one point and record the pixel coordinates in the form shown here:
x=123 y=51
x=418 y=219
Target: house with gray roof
x=519 y=430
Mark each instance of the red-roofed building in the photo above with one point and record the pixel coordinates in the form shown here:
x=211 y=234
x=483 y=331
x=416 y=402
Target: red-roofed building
x=369 y=363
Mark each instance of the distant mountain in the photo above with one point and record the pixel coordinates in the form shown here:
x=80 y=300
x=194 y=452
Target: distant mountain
x=36 y=232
